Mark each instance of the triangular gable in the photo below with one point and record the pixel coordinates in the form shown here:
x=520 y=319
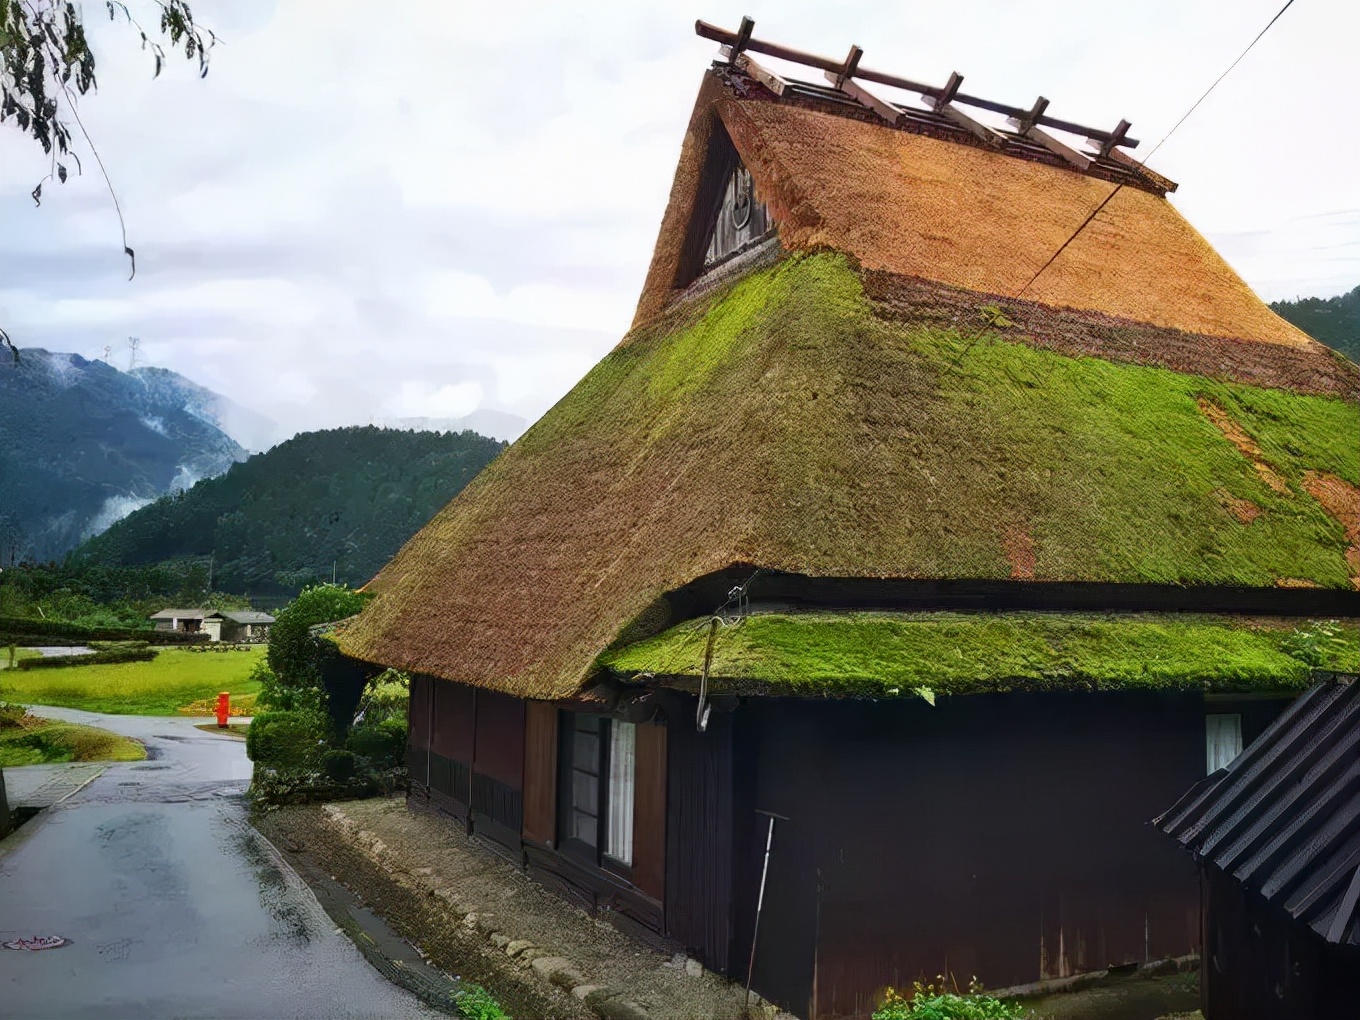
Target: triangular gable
x=948 y=212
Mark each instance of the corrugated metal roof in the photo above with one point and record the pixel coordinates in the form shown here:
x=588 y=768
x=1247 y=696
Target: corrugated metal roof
x=182 y=614
x=1284 y=818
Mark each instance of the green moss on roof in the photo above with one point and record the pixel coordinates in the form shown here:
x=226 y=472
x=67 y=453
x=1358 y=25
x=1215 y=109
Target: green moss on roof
x=888 y=654
x=784 y=424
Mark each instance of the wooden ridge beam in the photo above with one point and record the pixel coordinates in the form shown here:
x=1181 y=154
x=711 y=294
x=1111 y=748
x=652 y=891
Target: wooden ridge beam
x=727 y=38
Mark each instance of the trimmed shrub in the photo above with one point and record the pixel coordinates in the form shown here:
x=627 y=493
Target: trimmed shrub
x=294 y=654
x=382 y=743
x=104 y=658
x=287 y=739
x=339 y=765
x=23 y=630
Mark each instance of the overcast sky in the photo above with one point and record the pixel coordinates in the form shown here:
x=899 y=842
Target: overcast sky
x=365 y=215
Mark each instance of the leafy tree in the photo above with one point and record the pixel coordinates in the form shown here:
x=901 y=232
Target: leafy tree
x=294 y=654
x=1335 y=321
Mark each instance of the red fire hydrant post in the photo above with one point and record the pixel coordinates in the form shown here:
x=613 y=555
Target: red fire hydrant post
x=223 y=709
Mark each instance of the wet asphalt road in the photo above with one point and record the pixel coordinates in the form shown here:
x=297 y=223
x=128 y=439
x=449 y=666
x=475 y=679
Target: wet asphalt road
x=174 y=906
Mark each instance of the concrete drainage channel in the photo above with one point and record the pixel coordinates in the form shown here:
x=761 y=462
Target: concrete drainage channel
x=389 y=954
x=458 y=935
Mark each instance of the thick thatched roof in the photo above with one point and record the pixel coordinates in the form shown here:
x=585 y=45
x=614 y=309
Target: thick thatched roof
x=1141 y=417
x=785 y=423
x=954 y=212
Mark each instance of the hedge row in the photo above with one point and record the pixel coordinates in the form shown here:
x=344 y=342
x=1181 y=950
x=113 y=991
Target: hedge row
x=93 y=659
x=23 y=630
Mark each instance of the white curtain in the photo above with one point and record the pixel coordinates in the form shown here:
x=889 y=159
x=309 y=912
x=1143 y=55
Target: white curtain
x=619 y=836
x=1222 y=739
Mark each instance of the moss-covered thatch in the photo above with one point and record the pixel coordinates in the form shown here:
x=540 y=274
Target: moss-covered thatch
x=785 y=424
x=895 y=654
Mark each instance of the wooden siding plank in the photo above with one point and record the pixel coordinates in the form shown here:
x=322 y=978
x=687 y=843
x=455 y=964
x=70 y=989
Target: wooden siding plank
x=649 y=811
x=540 y=772
x=453 y=715
x=499 y=750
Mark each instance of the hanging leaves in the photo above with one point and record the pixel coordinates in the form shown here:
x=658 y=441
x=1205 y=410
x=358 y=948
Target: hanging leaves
x=46 y=62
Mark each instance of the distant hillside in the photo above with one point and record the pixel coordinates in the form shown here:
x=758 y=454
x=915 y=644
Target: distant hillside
x=82 y=443
x=252 y=430
x=1334 y=321
x=343 y=498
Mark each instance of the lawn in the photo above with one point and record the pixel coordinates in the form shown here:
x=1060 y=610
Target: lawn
x=17 y=653
x=174 y=678
x=34 y=741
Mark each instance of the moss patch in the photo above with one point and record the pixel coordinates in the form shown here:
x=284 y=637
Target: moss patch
x=890 y=654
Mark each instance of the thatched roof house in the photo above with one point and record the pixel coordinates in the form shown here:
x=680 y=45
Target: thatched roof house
x=956 y=471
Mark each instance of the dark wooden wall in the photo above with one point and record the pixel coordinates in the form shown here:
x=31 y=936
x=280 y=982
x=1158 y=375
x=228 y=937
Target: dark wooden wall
x=1259 y=964
x=1002 y=836
x=498 y=767
x=699 y=838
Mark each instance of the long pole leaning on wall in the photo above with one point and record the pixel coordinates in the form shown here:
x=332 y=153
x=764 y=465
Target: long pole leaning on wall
x=760 y=902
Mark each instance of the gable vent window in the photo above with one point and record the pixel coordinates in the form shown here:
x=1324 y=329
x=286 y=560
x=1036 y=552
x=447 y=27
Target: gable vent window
x=1222 y=740
x=741 y=220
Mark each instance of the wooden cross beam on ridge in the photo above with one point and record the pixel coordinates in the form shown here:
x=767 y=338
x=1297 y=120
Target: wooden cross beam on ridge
x=845 y=76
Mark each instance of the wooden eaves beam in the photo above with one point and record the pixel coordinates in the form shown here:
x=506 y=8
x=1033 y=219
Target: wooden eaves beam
x=843 y=81
x=942 y=102
x=726 y=38
x=1027 y=126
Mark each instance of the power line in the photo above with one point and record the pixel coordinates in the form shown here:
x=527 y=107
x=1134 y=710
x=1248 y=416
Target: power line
x=1143 y=162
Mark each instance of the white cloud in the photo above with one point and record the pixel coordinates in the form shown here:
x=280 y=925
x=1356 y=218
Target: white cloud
x=464 y=198
x=419 y=399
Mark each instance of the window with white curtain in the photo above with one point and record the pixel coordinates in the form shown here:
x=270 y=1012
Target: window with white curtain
x=619 y=811
x=1222 y=739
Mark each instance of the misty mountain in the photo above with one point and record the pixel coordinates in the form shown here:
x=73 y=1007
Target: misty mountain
x=251 y=429
x=82 y=444
x=341 y=500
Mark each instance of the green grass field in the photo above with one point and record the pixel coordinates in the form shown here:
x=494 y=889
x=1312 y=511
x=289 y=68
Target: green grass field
x=19 y=653
x=39 y=741
x=172 y=680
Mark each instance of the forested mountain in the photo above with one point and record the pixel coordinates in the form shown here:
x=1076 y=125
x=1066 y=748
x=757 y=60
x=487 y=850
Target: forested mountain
x=81 y=443
x=342 y=499
x=1335 y=321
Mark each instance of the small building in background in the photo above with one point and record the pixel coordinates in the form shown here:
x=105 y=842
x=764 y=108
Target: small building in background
x=185 y=621
x=244 y=625
x=1277 y=838
x=233 y=625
